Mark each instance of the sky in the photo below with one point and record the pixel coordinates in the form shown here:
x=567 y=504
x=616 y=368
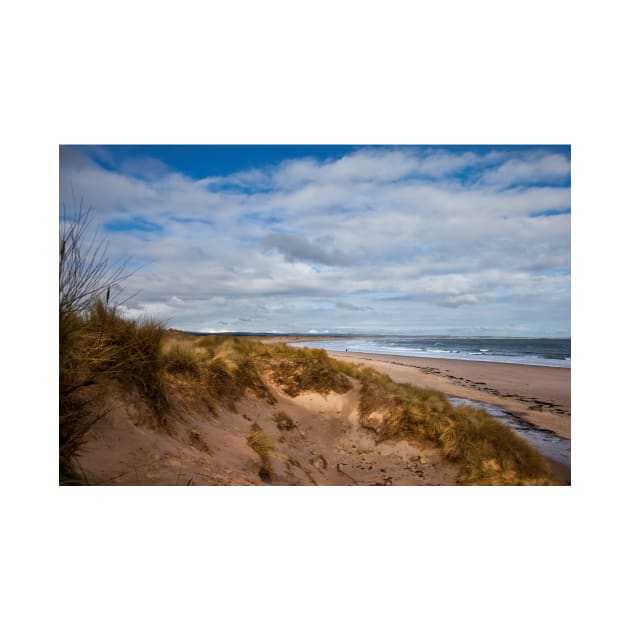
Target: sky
x=425 y=240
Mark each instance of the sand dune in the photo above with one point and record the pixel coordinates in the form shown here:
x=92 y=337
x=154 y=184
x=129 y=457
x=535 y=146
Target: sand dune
x=285 y=430
x=327 y=446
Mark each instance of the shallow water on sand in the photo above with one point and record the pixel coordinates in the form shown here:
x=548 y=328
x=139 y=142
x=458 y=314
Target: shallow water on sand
x=554 y=448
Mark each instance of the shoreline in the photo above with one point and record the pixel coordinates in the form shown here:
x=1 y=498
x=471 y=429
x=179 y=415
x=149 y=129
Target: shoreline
x=540 y=395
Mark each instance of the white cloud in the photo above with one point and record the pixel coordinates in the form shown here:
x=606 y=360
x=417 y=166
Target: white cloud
x=396 y=222
x=541 y=168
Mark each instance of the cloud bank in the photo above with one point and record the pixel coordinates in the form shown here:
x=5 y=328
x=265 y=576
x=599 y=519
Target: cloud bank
x=389 y=240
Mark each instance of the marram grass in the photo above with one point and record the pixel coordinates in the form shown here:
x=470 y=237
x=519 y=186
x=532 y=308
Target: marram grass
x=143 y=357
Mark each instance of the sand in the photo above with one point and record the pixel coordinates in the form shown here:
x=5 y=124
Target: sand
x=327 y=446
x=540 y=395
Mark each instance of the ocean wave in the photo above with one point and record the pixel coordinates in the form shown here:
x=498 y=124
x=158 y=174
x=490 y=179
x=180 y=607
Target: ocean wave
x=505 y=352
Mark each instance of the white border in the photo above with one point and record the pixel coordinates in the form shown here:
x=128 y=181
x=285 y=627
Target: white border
x=278 y=72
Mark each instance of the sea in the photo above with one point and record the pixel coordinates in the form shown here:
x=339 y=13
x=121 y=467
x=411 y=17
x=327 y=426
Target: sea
x=520 y=350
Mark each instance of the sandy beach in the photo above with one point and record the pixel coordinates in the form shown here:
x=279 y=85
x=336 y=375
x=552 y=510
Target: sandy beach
x=540 y=395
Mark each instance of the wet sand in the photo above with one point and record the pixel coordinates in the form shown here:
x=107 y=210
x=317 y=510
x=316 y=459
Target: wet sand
x=537 y=394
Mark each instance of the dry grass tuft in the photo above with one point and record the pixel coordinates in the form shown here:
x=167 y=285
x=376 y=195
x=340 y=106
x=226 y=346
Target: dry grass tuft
x=491 y=452
x=227 y=369
x=283 y=421
x=262 y=445
x=180 y=359
x=128 y=352
x=300 y=369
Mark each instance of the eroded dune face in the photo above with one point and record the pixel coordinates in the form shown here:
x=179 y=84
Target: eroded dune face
x=305 y=439
x=225 y=411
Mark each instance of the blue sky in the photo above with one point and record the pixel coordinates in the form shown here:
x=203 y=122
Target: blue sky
x=345 y=239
